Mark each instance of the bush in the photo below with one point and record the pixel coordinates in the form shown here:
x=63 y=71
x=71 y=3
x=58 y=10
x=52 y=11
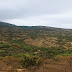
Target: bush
x=3 y=53
x=5 y=46
x=1 y=58
x=29 y=60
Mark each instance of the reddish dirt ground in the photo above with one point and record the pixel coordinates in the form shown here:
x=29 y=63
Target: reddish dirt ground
x=49 y=65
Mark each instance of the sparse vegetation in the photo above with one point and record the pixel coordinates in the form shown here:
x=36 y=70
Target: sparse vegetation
x=29 y=60
x=39 y=47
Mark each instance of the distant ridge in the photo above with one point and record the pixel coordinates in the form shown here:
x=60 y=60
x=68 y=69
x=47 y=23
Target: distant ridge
x=4 y=24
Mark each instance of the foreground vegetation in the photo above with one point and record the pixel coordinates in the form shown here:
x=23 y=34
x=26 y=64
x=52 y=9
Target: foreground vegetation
x=18 y=54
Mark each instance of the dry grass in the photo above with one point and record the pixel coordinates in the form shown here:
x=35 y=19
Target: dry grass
x=49 y=65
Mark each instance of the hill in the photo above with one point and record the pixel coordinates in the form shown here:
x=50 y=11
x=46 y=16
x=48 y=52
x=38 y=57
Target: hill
x=3 y=24
x=41 y=36
x=35 y=49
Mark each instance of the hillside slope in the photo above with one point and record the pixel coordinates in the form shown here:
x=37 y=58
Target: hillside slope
x=35 y=49
x=40 y=36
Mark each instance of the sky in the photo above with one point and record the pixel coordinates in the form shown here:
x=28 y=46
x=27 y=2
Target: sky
x=54 y=13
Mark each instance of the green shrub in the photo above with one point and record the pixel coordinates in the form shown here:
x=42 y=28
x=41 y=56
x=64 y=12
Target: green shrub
x=3 y=53
x=5 y=46
x=1 y=58
x=29 y=60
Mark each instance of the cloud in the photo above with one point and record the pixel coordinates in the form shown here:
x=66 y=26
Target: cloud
x=57 y=13
x=54 y=20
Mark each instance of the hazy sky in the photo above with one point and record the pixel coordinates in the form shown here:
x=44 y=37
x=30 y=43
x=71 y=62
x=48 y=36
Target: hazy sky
x=56 y=13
